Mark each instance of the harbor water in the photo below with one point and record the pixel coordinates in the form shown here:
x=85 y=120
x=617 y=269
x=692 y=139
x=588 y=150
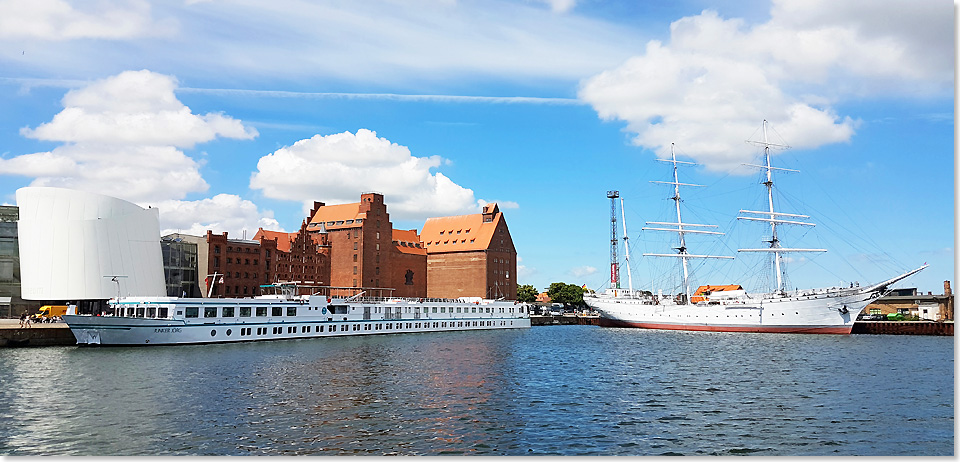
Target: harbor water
x=558 y=390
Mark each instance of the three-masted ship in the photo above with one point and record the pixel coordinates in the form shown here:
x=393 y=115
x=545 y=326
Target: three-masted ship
x=730 y=308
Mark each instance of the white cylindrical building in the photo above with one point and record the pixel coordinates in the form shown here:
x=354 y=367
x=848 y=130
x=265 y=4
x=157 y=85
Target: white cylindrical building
x=76 y=245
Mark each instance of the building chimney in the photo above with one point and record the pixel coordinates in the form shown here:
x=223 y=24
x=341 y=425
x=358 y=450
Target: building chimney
x=489 y=212
x=316 y=207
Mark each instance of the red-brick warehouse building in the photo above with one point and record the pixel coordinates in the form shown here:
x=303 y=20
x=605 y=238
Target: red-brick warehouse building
x=301 y=257
x=470 y=256
x=360 y=236
x=235 y=267
x=408 y=275
x=355 y=245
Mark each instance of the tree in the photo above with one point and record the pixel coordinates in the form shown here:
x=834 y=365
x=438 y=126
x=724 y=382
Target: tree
x=568 y=294
x=526 y=293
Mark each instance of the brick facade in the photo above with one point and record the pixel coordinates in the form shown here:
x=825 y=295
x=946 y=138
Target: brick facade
x=301 y=257
x=360 y=239
x=238 y=267
x=470 y=256
x=355 y=245
x=408 y=271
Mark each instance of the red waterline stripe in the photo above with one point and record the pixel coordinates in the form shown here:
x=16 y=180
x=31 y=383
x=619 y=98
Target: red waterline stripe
x=843 y=330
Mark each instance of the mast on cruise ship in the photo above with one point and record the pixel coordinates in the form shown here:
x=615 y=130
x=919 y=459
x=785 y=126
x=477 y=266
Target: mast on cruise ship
x=773 y=217
x=680 y=227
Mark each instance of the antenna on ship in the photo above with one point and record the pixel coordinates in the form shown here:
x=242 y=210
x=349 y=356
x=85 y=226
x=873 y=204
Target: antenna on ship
x=680 y=226
x=772 y=216
x=614 y=265
x=115 y=278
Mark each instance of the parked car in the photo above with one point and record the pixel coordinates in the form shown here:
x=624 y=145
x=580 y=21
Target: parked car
x=873 y=317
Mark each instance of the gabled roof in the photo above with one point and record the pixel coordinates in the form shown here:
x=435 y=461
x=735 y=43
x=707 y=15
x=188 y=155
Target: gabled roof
x=407 y=241
x=337 y=216
x=460 y=233
x=283 y=239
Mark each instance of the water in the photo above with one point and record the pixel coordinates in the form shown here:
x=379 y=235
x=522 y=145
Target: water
x=558 y=390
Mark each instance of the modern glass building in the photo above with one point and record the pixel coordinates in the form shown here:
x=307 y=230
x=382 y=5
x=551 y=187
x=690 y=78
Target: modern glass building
x=180 y=266
x=11 y=305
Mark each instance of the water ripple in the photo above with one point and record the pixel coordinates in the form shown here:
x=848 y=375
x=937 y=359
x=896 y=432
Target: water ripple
x=559 y=390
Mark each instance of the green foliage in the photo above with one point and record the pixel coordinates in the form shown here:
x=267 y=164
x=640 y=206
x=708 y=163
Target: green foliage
x=568 y=294
x=526 y=293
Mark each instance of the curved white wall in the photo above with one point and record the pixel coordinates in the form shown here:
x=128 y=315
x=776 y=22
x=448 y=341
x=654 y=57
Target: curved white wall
x=70 y=241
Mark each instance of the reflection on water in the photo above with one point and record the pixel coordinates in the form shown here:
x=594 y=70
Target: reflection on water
x=567 y=390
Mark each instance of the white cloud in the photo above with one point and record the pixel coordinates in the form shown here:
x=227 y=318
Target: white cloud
x=57 y=20
x=223 y=212
x=524 y=273
x=134 y=108
x=709 y=88
x=559 y=6
x=135 y=173
x=122 y=137
x=338 y=168
x=403 y=44
x=582 y=271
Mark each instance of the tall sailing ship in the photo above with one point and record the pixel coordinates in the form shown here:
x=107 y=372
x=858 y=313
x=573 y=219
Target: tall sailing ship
x=831 y=310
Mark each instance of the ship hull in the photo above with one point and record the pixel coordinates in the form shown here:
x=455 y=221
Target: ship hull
x=842 y=330
x=238 y=320
x=831 y=311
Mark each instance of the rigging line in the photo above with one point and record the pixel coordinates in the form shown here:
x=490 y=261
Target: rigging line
x=876 y=248
x=863 y=234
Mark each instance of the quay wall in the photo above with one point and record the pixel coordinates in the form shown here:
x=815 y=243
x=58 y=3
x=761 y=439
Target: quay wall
x=903 y=328
x=58 y=334
x=564 y=320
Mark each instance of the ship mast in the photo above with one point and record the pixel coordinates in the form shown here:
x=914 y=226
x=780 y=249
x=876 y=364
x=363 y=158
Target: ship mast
x=626 y=248
x=681 y=228
x=772 y=216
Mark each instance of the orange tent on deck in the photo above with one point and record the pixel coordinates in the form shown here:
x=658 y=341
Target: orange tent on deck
x=703 y=291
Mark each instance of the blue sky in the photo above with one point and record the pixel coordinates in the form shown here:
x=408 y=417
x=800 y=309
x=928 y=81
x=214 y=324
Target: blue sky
x=232 y=116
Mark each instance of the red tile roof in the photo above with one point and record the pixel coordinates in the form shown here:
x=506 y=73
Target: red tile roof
x=407 y=241
x=460 y=233
x=337 y=216
x=283 y=239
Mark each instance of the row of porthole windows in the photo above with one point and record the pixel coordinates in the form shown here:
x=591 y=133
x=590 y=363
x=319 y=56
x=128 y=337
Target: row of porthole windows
x=736 y=315
x=277 y=330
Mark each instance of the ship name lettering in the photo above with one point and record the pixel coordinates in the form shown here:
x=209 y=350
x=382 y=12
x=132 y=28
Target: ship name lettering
x=162 y=330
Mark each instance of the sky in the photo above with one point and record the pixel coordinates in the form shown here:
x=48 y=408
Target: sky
x=232 y=116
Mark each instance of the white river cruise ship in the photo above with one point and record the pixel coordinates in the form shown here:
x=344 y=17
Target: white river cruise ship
x=180 y=321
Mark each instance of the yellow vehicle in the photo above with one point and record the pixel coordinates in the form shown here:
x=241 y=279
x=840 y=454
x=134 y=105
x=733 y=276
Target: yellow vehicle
x=49 y=311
